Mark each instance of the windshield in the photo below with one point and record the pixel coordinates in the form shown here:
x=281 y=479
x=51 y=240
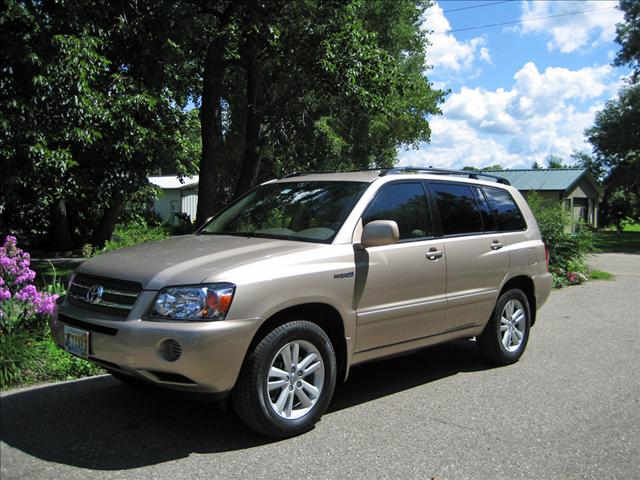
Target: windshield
x=306 y=211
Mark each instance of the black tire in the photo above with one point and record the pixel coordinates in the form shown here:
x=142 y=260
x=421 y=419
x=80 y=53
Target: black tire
x=490 y=341
x=251 y=398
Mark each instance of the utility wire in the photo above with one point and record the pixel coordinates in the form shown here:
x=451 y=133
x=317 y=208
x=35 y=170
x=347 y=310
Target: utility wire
x=468 y=8
x=514 y=22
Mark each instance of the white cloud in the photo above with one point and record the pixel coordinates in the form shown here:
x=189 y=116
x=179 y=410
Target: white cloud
x=445 y=51
x=571 y=32
x=543 y=113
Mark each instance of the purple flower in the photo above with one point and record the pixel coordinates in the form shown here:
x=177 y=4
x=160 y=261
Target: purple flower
x=47 y=304
x=10 y=239
x=5 y=294
x=26 y=275
x=28 y=293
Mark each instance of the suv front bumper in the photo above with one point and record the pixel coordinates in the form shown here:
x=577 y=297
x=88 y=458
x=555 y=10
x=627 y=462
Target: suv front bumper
x=211 y=358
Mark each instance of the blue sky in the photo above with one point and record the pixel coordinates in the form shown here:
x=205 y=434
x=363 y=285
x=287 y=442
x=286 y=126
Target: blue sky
x=519 y=92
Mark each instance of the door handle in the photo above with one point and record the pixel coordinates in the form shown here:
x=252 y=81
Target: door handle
x=496 y=245
x=434 y=253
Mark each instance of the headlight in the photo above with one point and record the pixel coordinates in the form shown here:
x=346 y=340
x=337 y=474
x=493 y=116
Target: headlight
x=197 y=302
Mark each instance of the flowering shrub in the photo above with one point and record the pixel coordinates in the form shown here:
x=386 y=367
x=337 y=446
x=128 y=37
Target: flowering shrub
x=21 y=305
x=568 y=241
x=27 y=351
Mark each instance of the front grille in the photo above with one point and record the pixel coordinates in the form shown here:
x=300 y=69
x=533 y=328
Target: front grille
x=116 y=297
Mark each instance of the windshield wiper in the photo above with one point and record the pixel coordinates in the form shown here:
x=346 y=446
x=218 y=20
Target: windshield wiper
x=233 y=234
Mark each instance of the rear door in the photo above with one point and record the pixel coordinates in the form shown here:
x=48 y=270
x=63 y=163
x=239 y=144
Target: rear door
x=477 y=261
x=403 y=296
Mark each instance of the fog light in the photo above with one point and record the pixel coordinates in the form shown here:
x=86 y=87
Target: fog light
x=170 y=350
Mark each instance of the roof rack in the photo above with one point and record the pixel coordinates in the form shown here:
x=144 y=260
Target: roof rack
x=473 y=174
x=299 y=174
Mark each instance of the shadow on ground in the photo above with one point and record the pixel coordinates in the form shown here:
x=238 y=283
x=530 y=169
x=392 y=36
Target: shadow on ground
x=102 y=424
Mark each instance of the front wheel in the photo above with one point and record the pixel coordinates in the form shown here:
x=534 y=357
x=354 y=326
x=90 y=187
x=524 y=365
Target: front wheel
x=505 y=337
x=287 y=381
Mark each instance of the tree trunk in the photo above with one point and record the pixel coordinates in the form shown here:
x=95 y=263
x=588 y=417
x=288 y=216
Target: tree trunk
x=59 y=233
x=108 y=221
x=251 y=156
x=210 y=131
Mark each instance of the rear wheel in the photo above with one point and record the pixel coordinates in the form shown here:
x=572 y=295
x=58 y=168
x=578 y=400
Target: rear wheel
x=505 y=337
x=287 y=381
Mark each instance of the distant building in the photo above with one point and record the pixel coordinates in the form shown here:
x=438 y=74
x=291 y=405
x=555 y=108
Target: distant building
x=573 y=187
x=180 y=196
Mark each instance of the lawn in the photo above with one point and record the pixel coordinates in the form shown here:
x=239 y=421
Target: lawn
x=54 y=270
x=610 y=241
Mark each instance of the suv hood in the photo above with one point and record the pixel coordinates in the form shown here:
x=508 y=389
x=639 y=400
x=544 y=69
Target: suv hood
x=186 y=260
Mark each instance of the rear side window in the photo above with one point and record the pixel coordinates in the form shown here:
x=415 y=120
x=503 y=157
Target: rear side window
x=487 y=216
x=458 y=208
x=506 y=211
x=404 y=203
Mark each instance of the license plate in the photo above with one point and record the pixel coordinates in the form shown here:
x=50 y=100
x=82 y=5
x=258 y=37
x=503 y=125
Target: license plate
x=76 y=341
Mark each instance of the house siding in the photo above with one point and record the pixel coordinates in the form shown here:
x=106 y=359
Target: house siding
x=167 y=204
x=190 y=202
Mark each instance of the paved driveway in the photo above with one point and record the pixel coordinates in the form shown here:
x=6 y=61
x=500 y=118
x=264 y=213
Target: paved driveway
x=569 y=409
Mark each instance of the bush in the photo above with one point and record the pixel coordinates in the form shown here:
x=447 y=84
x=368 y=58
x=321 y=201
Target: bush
x=27 y=352
x=128 y=235
x=22 y=307
x=567 y=240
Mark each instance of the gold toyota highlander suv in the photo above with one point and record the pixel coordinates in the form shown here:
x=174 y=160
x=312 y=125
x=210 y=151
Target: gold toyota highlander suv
x=276 y=297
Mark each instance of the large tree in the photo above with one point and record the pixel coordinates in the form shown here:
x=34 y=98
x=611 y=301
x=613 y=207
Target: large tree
x=313 y=85
x=82 y=126
x=95 y=96
x=615 y=135
x=628 y=36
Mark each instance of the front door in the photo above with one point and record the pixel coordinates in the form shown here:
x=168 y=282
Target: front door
x=403 y=296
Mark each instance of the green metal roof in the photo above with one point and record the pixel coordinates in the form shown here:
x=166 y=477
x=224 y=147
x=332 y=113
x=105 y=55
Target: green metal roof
x=543 y=179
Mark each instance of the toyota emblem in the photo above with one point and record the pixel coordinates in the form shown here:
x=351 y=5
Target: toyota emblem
x=94 y=295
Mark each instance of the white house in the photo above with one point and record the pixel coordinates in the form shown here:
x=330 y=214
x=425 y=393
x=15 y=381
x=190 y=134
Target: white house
x=179 y=195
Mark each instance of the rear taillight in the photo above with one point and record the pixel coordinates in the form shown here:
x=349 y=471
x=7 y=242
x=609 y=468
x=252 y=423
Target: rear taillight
x=546 y=256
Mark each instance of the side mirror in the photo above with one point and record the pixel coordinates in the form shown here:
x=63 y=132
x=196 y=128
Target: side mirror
x=379 y=232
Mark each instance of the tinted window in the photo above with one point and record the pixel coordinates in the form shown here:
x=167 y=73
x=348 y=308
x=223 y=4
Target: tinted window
x=488 y=221
x=505 y=209
x=458 y=209
x=406 y=204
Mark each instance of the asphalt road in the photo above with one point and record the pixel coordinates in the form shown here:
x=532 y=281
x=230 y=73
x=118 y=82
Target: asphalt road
x=569 y=409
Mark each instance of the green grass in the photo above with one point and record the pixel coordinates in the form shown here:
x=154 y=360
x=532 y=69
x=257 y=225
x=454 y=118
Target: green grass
x=26 y=359
x=632 y=227
x=612 y=242
x=600 y=275
x=47 y=273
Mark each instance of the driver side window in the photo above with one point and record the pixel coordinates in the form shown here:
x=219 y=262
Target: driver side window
x=404 y=203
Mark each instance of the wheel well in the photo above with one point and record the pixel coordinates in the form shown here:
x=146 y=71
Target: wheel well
x=526 y=285
x=323 y=315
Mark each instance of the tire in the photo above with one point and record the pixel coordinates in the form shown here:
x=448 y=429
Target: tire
x=505 y=337
x=291 y=406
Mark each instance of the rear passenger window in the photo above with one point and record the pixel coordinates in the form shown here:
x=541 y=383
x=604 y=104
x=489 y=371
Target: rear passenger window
x=404 y=203
x=488 y=221
x=506 y=211
x=458 y=208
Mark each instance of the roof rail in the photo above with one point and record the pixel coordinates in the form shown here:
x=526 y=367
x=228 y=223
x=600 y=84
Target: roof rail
x=298 y=174
x=473 y=174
